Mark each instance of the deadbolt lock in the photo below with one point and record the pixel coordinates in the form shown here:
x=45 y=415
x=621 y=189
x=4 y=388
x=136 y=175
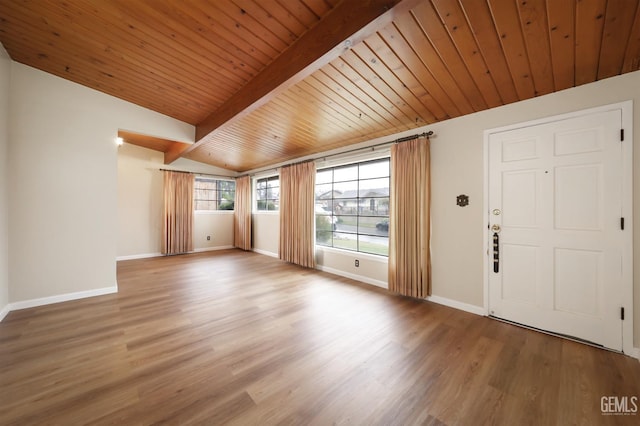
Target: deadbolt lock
x=496 y=212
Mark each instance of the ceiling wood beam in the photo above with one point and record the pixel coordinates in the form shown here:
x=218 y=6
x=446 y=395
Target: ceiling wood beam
x=346 y=25
x=175 y=151
x=171 y=149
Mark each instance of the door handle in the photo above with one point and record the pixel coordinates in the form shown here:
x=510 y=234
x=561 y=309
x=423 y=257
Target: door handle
x=496 y=250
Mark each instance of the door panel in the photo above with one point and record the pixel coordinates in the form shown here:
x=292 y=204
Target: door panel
x=519 y=198
x=579 y=197
x=517 y=150
x=577 y=280
x=578 y=141
x=555 y=193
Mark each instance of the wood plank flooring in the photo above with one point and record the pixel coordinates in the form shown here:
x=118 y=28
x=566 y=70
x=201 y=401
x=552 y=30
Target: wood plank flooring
x=243 y=339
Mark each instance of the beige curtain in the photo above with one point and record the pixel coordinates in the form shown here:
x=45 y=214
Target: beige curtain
x=297 y=216
x=409 y=219
x=242 y=214
x=177 y=224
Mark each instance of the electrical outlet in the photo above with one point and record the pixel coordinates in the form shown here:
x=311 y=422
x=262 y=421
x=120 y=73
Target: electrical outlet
x=357 y=263
x=208 y=237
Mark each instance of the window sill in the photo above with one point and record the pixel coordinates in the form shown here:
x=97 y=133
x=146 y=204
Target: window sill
x=359 y=254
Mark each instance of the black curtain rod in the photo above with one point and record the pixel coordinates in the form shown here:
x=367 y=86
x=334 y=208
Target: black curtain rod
x=324 y=157
x=408 y=138
x=199 y=174
x=399 y=140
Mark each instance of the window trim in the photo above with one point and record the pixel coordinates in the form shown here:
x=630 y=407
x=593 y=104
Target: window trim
x=212 y=212
x=213 y=179
x=254 y=196
x=353 y=162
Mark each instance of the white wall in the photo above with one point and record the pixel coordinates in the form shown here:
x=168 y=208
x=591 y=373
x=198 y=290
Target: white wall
x=265 y=232
x=457 y=167
x=139 y=201
x=5 y=79
x=140 y=205
x=371 y=269
x=63 y=187
x=217 y=225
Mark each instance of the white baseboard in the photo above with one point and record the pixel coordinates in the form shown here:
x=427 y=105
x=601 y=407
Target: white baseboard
x=138 y=256
x=635 y=353
x=61 y=298
x=356 y=277
x=266 y=253
x=478 y=310
x=198 y=250
x=5 y=311
x=148 y=255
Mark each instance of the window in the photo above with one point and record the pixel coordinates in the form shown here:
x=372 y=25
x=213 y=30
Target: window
x=352 y=207
x=268 y=193
x=214 y=194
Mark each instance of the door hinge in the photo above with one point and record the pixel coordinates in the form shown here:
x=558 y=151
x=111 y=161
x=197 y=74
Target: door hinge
x=622 y=223
x=622 y=313
x=621 y=135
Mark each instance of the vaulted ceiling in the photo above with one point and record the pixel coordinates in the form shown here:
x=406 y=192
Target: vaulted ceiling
x=266 y=81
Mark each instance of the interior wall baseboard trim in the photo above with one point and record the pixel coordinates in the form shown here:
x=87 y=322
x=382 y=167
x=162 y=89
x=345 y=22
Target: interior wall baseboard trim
x=478 y=310
x=4 y=312
x=198 y=250
x=138 y=256
x=148 y=255
x=266 y=253
x=356 y=277
x=25 y=304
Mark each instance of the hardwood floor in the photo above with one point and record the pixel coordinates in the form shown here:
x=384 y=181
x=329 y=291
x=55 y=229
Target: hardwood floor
x=239 y=338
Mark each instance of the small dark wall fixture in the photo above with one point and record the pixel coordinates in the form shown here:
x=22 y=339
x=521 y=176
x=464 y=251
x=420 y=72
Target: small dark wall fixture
x=462 y=200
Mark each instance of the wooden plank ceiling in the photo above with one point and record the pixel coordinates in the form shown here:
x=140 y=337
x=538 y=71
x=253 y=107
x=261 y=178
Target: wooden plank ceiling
x=267 y=81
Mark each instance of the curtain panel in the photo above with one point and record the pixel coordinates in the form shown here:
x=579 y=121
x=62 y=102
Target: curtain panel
x=409 y=219
x=297 y=214
x=242 y=214
x=177 y=223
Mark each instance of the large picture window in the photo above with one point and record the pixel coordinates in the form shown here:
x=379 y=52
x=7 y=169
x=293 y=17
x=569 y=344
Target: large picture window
x=352 y=207
x=214 y=194
x=268 y=193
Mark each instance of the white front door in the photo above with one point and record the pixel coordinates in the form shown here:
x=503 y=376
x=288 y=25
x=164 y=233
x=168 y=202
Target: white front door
x=555 y=203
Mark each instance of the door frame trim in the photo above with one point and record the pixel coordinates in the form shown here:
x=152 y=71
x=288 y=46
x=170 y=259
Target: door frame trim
x=626 y=108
